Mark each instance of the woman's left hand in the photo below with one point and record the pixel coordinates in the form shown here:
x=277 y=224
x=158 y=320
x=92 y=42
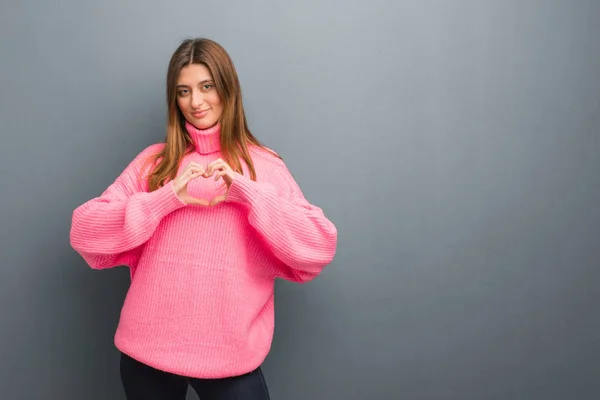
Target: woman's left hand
x=220 y=169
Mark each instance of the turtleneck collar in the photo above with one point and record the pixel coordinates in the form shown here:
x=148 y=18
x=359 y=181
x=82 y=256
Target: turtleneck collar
x=205 y=140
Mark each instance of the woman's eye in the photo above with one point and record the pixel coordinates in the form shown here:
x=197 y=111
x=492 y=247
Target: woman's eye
x=207 y=86
x=183 y=92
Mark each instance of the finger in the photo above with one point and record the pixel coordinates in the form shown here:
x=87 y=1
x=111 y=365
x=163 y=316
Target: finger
x=218 y=199
x=192 y=167
x=221 y=167
x=215 y=165
x=194 y=164
x=195 y=172
x=192 y=173
x=209 y=170
x=217 y=161
x=198 y=202
x=197 y=166
x=227 y=175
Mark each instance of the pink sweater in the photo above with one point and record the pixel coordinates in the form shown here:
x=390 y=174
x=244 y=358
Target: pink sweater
x=200 y=303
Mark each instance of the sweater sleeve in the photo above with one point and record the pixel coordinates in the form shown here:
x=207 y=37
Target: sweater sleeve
x=108 y=230
x=297 y=232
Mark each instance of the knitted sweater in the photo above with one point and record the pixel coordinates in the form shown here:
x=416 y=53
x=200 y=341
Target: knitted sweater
x=200 y=302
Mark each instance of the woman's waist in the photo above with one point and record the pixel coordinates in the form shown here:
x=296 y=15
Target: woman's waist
x=202 y=312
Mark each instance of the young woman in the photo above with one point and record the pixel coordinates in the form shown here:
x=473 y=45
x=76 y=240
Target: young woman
x=205 y=221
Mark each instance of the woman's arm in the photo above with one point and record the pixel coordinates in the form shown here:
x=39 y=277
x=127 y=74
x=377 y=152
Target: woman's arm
x=124 y=217
x=297 y=232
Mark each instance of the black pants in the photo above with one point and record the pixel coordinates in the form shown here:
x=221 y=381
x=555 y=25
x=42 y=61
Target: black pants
x=142 y=382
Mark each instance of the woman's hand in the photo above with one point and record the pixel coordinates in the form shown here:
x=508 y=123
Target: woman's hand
x=192 y=171
x=220 y=169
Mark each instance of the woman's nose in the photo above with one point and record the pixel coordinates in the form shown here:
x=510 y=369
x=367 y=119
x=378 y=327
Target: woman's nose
x=197 y=99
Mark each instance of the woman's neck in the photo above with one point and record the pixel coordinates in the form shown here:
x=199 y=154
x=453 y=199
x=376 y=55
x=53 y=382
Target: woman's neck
x=205 y=140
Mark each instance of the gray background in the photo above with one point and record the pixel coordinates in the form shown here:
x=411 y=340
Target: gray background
x=455 y=144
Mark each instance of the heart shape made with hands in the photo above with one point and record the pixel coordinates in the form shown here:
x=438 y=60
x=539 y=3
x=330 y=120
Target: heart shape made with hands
x=218 y=168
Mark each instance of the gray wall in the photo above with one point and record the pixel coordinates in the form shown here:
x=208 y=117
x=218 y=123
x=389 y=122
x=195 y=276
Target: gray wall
x=456 y=145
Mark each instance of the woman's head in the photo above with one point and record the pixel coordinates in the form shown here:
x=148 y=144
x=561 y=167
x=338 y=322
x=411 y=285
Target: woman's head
x=197 y=97
x=203 y=88
x=201 y=77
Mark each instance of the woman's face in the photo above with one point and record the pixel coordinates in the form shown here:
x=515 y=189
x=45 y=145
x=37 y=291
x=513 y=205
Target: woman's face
x=197 y=96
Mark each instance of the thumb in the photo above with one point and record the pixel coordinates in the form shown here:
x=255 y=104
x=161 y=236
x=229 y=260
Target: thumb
x=218 y=199
x=198 y=202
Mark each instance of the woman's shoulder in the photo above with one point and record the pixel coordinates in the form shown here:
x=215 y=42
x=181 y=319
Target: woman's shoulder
x=266 y=155
x=145 y=156
x=149 y=151
x=152 y=149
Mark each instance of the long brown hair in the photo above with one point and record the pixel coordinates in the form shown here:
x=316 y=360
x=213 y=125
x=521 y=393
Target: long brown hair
x=235 y=137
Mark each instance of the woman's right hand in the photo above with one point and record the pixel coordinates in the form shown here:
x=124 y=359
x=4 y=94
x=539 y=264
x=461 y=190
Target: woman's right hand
x=192 y=171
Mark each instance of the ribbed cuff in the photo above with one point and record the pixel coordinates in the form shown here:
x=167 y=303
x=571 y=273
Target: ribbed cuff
x=164 y=201
x=243 y=190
